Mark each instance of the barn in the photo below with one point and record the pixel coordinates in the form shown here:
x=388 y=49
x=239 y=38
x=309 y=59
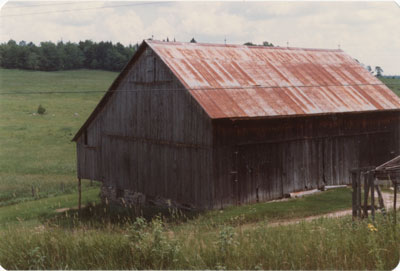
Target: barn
x=212 y=125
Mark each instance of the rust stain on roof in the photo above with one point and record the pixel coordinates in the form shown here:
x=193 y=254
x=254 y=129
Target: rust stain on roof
x=234 y=81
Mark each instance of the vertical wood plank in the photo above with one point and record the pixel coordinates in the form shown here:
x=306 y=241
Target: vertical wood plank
x=366 y=192
x=395 y=201
x=79 y=194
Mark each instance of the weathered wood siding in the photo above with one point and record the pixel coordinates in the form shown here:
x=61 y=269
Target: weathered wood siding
x=88 y=153
x=151 y=137
x=258 y=160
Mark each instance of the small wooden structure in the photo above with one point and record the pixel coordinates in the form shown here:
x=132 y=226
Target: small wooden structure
x=368 y=179
x=365 y=179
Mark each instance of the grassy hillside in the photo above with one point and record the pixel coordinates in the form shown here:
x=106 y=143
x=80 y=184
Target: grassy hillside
x=36 y=150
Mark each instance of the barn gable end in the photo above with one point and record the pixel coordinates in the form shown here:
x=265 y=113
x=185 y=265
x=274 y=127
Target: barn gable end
x=149 y=128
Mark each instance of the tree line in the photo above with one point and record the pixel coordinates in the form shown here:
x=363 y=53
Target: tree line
x=104 y=55
x=49 y=56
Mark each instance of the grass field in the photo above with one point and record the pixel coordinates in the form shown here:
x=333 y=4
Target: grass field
x=392 y=83
x=36 y=151
x=38 y=177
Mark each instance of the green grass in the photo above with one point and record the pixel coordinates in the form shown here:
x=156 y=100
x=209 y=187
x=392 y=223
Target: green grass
x=100 y=237
x=321 y=244
x=31 y=211
x=316 y=204
x=36 y=150
x=37 y=81
x=41 y=144
x=392 y=83
x=24 y=187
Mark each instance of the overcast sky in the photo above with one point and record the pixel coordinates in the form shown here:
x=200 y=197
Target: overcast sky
x=368 y=31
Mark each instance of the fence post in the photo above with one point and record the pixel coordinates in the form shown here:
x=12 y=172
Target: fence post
x=366 y=192
x=354 y=183
x=372 y=186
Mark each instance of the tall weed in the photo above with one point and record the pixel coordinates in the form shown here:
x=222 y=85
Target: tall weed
x=320 y=244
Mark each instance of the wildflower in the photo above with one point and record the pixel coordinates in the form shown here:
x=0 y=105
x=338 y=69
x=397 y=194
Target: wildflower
x=372 y=227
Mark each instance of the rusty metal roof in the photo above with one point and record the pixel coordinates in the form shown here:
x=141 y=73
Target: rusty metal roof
x=237 y=81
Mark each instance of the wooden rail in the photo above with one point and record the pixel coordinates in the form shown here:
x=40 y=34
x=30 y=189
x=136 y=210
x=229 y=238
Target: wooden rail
x=360 y=208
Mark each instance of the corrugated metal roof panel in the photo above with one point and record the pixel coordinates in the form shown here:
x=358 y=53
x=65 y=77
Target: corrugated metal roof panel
x=234 y=81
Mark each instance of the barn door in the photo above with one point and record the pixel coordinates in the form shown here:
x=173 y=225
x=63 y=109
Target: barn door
x=260 y=172
x=250 y=172
x=244 y=175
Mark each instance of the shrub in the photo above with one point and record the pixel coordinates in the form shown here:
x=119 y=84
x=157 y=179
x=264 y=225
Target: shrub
x=226 y=239
x=151 y=245
x=41 y=110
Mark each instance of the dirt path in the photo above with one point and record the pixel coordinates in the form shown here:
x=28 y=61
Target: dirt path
x=387 y=198
x=62 y=210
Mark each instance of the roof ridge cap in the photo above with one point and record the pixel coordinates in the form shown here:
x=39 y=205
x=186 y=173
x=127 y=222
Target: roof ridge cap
x=172 y=43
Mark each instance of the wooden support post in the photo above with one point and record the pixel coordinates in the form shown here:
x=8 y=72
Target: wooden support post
x=371 y=178
x=355 y=190
x=79 y=194
x=395 y=200
x=366 y=192
x=359 y=194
